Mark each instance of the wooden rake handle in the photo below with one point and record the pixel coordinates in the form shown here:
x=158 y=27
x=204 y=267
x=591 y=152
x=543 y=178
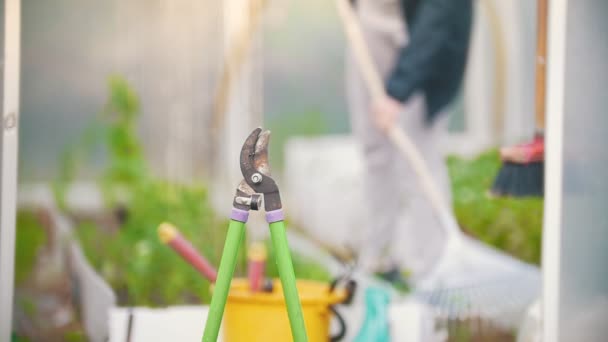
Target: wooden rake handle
x=403 y=143
x=541 y=63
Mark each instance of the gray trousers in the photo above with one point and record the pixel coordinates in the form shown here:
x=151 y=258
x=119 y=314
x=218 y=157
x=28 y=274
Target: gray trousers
x=402 y=230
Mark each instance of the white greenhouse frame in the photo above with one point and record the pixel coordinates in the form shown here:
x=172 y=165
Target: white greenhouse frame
x=8 y=164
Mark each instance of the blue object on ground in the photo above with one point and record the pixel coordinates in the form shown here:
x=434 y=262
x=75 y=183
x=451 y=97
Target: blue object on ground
x=376 y=325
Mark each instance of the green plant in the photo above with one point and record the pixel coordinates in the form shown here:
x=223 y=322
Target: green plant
x=17 y=338
x=137 y=265
x=126 y=165
x=75 y=336
x=30 y=238
x=141 y=269
x=510 y=224
x=115 y=129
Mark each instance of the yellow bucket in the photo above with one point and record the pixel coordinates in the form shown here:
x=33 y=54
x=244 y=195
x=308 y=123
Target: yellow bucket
x=261 y=316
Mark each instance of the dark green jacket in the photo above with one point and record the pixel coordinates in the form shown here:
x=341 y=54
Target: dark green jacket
x=434 y=60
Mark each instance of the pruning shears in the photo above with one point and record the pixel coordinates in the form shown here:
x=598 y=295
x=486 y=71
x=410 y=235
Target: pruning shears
x=256 y=188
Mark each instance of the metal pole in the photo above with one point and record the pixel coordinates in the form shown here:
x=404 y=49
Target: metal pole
x=9 y=98
x=554 y=162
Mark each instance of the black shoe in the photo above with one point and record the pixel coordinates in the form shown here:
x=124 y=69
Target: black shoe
x=396 y=279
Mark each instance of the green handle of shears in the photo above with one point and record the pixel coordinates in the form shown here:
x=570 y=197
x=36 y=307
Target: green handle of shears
x=234 y=238
x=288 y=281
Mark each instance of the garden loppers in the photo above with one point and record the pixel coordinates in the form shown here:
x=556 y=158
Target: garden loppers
x=255 y=186
x=522 y=172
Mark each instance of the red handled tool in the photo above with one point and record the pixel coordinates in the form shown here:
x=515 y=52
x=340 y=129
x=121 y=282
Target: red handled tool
x=256 y=266
x=169 y=235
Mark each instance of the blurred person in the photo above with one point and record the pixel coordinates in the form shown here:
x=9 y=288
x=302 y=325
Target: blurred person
x=420 y=48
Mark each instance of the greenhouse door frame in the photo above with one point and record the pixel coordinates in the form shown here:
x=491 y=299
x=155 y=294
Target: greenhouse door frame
x=9 y=102
x=575 y=228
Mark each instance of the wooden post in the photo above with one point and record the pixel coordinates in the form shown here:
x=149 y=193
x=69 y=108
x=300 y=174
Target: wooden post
x=242 y=110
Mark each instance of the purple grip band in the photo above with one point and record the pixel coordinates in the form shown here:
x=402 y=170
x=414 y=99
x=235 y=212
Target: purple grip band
x=239 y=215
x=275 y=216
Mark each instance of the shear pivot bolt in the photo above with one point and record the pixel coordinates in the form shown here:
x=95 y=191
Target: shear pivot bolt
x=256 y=178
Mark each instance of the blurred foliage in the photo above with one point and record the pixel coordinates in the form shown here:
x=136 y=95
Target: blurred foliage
x=310 y=123
x=115 y=129
x=141 y=269
x=126 y=165
x=31 y=236
x=75 y=336
x=510 y=224
x=17 y=338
